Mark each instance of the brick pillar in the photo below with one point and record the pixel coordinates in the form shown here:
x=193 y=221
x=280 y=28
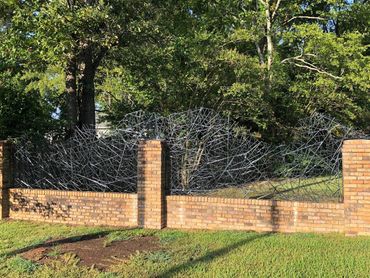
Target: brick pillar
x=6 y=176
x=151 y=184
x=356 y=185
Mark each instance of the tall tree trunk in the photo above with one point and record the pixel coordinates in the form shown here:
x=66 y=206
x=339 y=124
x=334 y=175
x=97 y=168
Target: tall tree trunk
x=71 y=96
x=87 y=94
x=87 y=105
x=270 y=47
x=267 y=49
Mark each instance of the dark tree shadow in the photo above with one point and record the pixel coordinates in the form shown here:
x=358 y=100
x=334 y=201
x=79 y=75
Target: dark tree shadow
x=53 y=243
x=275 y=216
x=21 y=203
x=212 y=255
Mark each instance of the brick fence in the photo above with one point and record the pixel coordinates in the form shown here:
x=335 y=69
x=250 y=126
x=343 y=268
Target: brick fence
x=151 y=208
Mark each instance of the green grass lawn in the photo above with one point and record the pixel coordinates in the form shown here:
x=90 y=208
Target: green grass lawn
x=194 y=254
x=317 y=189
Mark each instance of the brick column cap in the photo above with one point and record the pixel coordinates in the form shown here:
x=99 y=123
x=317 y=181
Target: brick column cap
x=356 y=146
x=356 y=142
x=151 y=142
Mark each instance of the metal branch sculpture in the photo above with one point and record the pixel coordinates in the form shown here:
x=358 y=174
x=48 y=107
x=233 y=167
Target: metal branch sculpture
x=206 y=153
x=85 y=162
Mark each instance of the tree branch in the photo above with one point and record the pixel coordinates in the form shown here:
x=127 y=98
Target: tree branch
x=99 y=57
x=304 y=17
x=298 y=61
x=275 y=10
x=260 y=55
x=263 y=2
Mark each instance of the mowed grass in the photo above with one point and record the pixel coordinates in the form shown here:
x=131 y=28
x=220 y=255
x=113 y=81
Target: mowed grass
x=194 y=254
x=318 y=189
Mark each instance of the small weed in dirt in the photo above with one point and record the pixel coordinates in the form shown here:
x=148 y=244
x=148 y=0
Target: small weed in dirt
x=67 y=265
x=116 y=236
x=55 y=252
x=71 y=258
x=127 y=235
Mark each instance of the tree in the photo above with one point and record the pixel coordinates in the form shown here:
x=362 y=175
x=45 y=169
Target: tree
x=23 y=113
x=265 y=63
x=73 y=36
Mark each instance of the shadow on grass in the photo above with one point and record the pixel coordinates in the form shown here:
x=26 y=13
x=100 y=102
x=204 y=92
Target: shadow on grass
x=53 y=243
x=211 y=255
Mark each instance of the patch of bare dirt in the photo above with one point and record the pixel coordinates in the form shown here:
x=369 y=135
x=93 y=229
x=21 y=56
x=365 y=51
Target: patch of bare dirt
x=93 y=252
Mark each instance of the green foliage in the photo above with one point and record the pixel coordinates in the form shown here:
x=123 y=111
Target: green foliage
x=21 y=266
x=211 y=60
x=23 y=113
x=52 y=42
x=158 y=257
x=339 y=83
x=168 y=56
x=67 y=266
x=171 y=236
x=120 y=93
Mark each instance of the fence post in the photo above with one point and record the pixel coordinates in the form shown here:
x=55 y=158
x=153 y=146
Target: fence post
x=356 y=186
x=151 y=184
x=6 y=176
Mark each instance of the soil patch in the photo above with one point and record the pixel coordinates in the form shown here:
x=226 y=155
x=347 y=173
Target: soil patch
x=94 y=252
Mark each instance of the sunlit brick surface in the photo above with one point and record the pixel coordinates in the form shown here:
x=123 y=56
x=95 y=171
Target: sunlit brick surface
x=74 y=207
x=151 y=184
x=255 y=215
x=356 y=177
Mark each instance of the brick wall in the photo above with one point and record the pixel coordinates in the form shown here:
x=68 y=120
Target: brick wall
x=74 y=207
x=257 y=215
x=150 y=208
